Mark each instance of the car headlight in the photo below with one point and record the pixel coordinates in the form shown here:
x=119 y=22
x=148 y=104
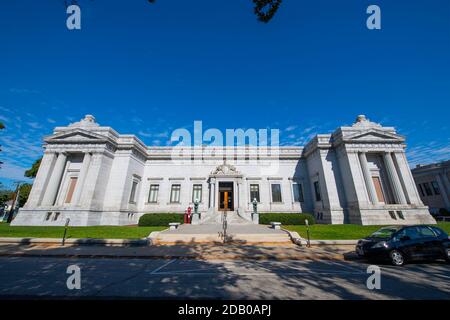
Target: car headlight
x=381 y=244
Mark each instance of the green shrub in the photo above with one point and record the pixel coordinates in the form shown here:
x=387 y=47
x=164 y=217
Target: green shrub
x=160 y=219
x=286 y=218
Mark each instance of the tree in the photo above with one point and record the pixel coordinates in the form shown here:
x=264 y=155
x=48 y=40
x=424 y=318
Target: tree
x=24 y=192
x=2 y=126
x=264 y=9
x=31 y=173
x=5 y=196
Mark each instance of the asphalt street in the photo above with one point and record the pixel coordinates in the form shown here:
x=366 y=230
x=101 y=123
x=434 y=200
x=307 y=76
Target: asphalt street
x=32 y=277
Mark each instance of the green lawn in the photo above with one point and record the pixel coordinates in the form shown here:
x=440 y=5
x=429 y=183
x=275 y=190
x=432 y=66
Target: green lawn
x=344 y=231
x=100 y=232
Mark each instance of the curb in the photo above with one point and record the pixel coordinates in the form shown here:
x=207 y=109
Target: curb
x=331 y=242
x=81 y=241
x=294 y=236
x=314 y=257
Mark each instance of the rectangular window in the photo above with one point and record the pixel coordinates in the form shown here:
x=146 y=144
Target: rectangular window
x=317 y=191
x=72 y=185
x=421 y=190
x=298 y=192
x=428 y=191
x=254 y=192
x=436 y=189
x=133 y=191
x=276 y=193
x=153 y=195
x=197 y=193
x=175 y=193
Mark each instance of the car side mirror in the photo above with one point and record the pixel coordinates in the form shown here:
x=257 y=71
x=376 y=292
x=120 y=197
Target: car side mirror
x=405 y=238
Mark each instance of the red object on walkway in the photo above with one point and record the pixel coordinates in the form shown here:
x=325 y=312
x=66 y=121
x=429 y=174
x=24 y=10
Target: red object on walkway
x=189 y=214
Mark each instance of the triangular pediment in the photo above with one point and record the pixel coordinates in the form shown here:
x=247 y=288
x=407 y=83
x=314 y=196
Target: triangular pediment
x=76 y=135
x=374 y=135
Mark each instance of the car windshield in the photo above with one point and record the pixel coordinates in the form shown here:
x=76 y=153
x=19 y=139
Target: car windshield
x=384 y=232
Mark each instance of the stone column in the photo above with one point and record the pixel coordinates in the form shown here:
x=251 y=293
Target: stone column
x=81 y=178
x=394 y=179
x=41 y=180
x=446 y=182
x=212 y=197
x=216 y=187
x=443 y=191
x=409 y=185
x=55 y=181
x=368 y=178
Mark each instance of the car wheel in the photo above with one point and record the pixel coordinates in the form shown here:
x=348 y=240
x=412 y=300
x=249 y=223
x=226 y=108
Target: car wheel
x=447 y=255
x=397 y=258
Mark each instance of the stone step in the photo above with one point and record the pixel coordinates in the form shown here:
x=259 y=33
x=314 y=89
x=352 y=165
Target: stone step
x=211 y=238
x=232 y=218
x=209 y=233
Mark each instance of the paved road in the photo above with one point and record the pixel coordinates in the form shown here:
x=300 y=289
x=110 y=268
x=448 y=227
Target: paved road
x=234 y=279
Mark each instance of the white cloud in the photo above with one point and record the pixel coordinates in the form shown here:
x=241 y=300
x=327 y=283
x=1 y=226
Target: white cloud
x=145 y=134
x=35 y=125
x=430 y=152
x=291 y=128
x=13 y=172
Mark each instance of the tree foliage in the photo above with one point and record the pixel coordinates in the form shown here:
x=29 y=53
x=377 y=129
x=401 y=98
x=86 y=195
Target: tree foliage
x=2 y=126
x=32 y=172
x=5 y=196
x=264 y=9
x=24 y=193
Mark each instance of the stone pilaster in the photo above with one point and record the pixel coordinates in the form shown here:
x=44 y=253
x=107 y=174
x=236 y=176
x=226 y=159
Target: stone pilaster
x=443 y=190
x=394 y=179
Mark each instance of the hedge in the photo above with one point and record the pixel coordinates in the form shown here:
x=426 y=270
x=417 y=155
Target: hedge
x=160 y=219
x=286 y=218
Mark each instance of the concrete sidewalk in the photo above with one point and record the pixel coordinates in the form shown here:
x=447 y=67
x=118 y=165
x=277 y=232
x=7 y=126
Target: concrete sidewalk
x=191 y=251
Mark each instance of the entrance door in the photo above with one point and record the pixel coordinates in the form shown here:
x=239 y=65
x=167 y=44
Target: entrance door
x=226 y=202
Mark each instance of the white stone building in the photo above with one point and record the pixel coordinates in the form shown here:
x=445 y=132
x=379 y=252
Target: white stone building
x=95 y=176
x=433 y=183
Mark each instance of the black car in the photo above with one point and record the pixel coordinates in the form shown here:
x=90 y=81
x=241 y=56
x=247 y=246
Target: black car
x=400 y=244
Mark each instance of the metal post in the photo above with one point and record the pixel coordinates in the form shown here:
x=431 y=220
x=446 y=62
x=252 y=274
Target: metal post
x=224 y=226
x=255 y=216
x=8 y=217
x=196 y=216
x=307 y=234
x=65 y=231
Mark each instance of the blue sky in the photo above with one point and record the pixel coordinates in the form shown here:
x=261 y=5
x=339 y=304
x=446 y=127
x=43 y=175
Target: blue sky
x=149 y=69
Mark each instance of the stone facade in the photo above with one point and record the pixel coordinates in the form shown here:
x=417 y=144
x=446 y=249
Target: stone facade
x=433 y=183
x=95 y=176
